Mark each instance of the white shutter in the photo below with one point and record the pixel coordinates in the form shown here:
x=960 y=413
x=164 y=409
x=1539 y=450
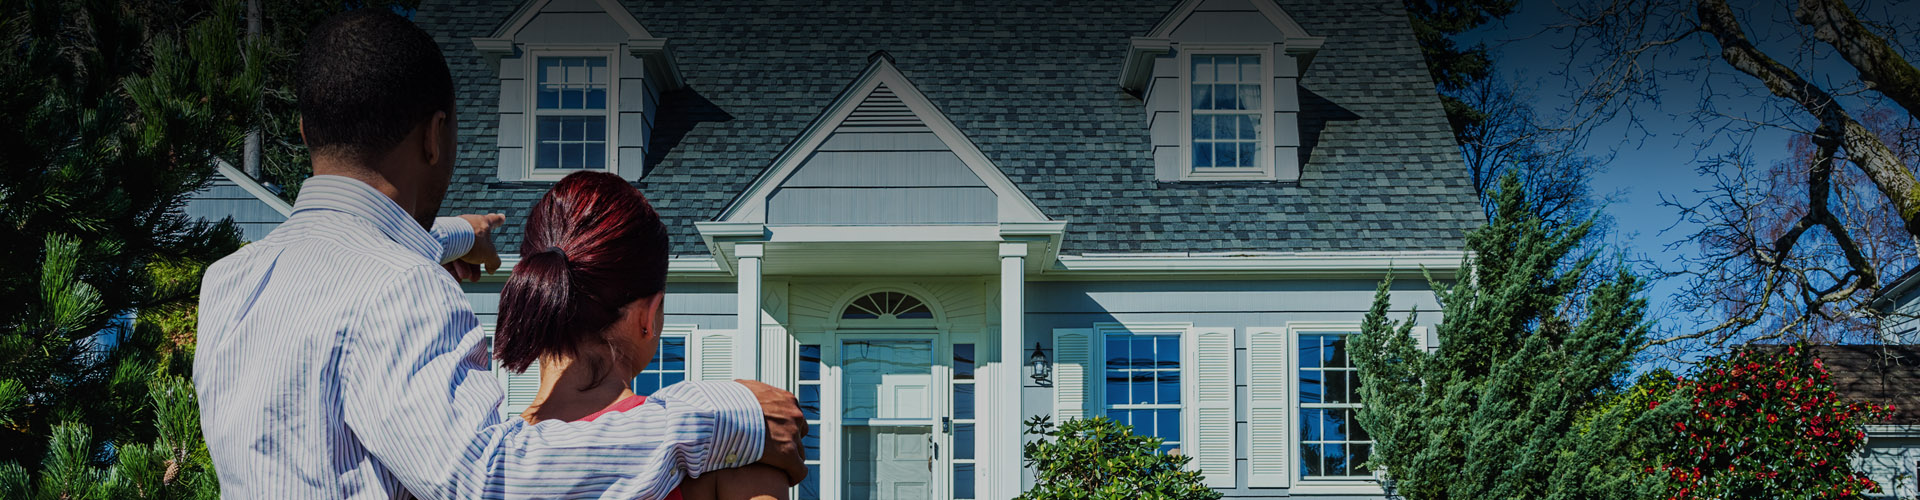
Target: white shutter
x=1072 y=360
x=522 y=388
x=1211 y=444
x=713 y=353
x=1420 y=339
x=1268 y=408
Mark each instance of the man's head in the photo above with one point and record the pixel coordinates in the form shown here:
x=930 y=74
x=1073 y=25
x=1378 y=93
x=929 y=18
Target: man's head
x=376 y=100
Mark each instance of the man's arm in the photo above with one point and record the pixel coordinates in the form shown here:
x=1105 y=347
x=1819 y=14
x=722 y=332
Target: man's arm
x=418 y=395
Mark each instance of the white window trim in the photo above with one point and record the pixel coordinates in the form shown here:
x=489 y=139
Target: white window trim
x=531 y=129
x=1184 y=331
x=1302 y=484
x=1264 y=151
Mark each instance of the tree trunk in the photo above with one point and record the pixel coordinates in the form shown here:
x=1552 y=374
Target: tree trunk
x=251 y=155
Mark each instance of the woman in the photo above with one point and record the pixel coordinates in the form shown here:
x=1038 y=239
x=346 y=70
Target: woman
x=585 y=300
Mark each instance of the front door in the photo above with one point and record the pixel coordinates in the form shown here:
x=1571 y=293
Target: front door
x=889 y=417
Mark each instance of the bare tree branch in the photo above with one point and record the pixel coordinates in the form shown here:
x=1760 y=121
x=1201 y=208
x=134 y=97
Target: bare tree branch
x=1881 y=67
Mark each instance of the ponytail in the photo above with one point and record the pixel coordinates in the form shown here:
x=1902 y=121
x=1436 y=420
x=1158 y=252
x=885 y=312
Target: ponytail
x=592 y=245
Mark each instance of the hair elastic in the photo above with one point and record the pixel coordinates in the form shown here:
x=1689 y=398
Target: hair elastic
x=558 y=250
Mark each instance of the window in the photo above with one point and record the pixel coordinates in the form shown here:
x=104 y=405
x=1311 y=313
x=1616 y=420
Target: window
x=1143 y=384
x=887 y=305
x=571 y=113
x=965 y=419
x=807 y=389
x=669 y=365
x=1225 y=105
x=1332 y=444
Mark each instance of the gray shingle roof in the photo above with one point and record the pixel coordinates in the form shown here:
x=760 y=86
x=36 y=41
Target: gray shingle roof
x=1034 y=85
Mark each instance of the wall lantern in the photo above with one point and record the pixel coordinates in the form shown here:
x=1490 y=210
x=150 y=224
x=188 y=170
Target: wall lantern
x=1042 y=367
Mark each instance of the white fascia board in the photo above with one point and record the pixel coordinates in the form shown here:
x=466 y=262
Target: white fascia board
x=1138 y=68
x=253 y=187
x=1301 y=264
x=678 y=267
x=841 y=234
x=1892 y=431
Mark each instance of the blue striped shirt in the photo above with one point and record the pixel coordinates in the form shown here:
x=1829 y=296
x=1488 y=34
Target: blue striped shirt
x=337 y=359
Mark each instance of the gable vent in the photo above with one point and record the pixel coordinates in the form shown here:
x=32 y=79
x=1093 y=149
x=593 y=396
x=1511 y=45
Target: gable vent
x=882 y=108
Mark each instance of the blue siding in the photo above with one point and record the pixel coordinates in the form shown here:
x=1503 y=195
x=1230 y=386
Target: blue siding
x=704 y=305
x=1235 y=304
x=225 y=200
x=882 y=166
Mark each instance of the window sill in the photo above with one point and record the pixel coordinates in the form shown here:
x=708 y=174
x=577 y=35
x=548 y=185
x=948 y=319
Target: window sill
x=1335 y=487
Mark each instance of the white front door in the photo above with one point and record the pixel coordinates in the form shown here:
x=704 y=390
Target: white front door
x=890 y=417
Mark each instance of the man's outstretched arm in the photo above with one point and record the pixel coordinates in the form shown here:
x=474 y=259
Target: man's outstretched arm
x=419 y=396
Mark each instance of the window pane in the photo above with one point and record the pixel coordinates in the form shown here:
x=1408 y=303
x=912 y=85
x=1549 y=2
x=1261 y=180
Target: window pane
x=596 y=70
x=576 y=69
x=809 y=396
x=1248 y=152
x=1310 y=424
x=597 y=98
x=1357 y=455
x=673 y=353
x=1142 y=422
x=671 y=378
x=1167 y=351
x=1142 y=353
x=550 y=69
x=1249 y=97
x=962 y=441
x=548 y=130
x=810 y=362
x=963 y=401
x=1169 y=388
x=1223 y=97
x=809 y=488
x=593 y=129
x=570 y=155
x=1309 y=351
x=1310 y=389
x=1142 y=388
x=963 y=361
x=1249 y=68
x=1116 y=353
x=546 y=155
x=1202 y=69
x=1336 y=459
x=1359 y=431
x=1310 y=460
x=1336 y=352
x=962 y=481
x=571 y=97
x=596 y=155
x=1202 y=96
x=1353 y=387
x=1120 y=417
x=1202 y=154
x=1223 y=155
x=812 y=442
x=1336 y=387
x=549 y=98
x=1167 y=424
x=1223 y=126
x=1202 y=127
x=1333 y=424
x=1116 y=387
x=1249 y=126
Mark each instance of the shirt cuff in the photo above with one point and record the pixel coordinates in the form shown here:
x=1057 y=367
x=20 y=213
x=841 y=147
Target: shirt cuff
x=455 y=236
x=739 y=430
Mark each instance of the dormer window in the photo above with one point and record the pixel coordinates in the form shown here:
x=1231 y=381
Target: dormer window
x=1225 y=96
x=572 y=115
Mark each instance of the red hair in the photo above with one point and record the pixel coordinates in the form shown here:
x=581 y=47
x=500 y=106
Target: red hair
x=591 y=246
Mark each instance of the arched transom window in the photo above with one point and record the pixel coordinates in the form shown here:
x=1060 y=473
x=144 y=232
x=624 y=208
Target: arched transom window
x=887 y=305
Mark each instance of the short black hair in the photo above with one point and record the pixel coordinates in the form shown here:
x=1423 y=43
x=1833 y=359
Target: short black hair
x=366 y=78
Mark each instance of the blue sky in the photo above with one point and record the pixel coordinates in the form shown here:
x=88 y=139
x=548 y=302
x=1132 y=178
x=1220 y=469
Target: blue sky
x=1657 y=157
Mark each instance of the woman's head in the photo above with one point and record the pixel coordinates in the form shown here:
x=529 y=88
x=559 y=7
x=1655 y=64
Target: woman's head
x=593 y=263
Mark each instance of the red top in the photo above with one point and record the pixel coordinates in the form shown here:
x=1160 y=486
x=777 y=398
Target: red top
x=624 y=405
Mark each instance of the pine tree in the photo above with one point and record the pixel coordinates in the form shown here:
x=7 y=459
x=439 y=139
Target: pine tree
x=1529 y=339
x=115 y=113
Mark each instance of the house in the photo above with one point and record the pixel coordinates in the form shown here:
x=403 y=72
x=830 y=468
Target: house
x=933 y=220
x=253 y=208
x=1887 y=374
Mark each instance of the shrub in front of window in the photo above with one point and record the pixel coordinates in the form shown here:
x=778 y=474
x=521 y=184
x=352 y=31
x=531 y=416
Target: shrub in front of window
x=1100 y=459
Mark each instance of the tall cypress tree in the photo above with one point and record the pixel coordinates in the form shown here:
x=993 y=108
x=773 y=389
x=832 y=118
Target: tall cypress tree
x=1529 y=339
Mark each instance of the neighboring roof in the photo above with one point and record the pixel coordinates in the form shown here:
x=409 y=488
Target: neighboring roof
x=1886 y=299
x=255 y=209
x=1881 y=374
x=1033 y=85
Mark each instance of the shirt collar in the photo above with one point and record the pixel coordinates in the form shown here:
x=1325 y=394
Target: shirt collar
x=346 y=194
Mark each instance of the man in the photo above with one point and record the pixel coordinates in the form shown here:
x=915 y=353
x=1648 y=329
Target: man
x=337 y=359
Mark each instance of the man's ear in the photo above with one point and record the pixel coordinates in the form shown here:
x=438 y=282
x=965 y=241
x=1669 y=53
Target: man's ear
x=303 y=130
x=431 y=145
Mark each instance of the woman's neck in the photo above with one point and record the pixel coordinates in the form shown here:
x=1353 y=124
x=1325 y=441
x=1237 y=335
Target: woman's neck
x=571 y=389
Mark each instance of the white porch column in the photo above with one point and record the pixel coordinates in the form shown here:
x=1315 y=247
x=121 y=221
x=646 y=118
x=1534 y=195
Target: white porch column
x=1007 y=421
x=748 y=311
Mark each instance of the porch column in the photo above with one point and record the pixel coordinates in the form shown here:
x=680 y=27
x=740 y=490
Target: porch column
x=748 y=293
x=1007 y=421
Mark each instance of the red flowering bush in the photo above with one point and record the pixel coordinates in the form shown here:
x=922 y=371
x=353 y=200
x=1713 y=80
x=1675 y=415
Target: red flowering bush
x=1766 y=423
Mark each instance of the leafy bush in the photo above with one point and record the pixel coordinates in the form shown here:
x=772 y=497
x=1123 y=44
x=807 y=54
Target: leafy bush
x=1766 y=423
x=1097 y=458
